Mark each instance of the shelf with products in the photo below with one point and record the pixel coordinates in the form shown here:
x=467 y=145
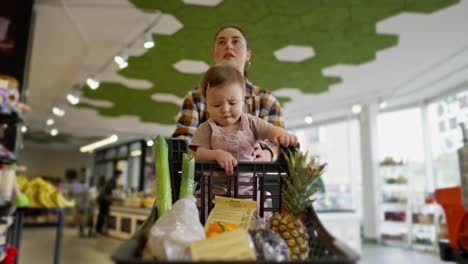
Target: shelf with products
x=405 y=211
x=393 y=202
x=425 y=219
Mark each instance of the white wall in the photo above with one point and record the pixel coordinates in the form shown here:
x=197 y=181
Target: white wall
x=53 y=163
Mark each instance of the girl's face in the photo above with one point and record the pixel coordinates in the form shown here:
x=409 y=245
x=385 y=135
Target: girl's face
x=231 y=47
x=224 y=103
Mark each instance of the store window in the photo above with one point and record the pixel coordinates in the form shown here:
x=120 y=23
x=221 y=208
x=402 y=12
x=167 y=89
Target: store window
x=400 y=135
x=338 y=145
x=444 y=118
x=402 y=181
x=134 y=165
x=401 y=154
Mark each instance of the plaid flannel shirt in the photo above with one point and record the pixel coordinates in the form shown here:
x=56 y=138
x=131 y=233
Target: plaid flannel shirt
x=258 y=101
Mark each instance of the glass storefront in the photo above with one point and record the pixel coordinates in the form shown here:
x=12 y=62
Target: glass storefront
x=338 y=145
x=444 y=117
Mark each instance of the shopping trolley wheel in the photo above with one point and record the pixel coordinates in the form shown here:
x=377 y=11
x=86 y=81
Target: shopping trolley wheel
x=446 y=252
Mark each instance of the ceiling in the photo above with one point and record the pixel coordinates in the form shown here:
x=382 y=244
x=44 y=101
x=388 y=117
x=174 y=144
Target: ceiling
x=318 y=57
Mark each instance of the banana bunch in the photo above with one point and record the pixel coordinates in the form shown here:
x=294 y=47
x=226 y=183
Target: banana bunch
x=42 y=194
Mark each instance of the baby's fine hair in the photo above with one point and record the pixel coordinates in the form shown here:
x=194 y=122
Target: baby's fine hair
x=221 y=75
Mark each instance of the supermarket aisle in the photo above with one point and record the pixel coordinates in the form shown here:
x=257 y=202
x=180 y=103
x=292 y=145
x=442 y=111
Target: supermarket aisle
x=38 y=244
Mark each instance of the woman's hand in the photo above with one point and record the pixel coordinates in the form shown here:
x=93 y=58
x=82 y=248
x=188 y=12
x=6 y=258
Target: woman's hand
x=286 y=140
x=226 y=161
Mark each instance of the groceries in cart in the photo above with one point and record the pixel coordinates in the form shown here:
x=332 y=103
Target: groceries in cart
x=233 y=227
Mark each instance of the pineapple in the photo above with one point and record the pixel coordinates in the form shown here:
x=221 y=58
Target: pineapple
x=296 y=195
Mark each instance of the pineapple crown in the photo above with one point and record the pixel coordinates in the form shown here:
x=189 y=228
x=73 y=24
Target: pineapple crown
x=300 y=181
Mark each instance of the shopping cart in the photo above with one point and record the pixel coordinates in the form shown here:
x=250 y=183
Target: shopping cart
x=266 y=186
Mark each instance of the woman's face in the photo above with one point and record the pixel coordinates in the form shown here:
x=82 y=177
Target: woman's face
x=231 y=47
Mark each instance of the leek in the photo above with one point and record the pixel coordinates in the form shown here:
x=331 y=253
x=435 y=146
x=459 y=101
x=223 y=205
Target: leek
x=163 y=176
x=188 y=175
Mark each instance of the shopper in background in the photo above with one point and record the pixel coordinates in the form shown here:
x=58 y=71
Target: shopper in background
x=229 y=135
x=105 y=199
x=106 y=194
x=85 y=207
x=230 y=46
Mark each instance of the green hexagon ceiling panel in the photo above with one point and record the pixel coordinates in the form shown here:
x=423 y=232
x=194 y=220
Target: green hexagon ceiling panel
x=331 y=31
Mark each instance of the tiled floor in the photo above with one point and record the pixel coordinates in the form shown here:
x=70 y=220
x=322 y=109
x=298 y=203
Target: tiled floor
x=390 y=255
x=37 y=247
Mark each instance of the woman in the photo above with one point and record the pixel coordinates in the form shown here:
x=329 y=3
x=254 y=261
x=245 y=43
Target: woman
x=231 y=47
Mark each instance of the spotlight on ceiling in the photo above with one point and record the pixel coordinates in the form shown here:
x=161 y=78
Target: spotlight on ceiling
x=24 y=129
x=92 y=83
x=50 y=122
x=121 y=61
x=58 y=111
x=149 y=43
x=308 y=119
x=356 y=109
x=72 y=99
x=53 y=132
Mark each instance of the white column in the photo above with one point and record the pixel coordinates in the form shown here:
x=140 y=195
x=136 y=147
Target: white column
x=428 y=168
x=370 y=169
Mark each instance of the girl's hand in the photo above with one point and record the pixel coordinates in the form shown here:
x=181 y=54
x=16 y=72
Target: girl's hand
x=226 y=161
x=262 y=154
x=286 y=140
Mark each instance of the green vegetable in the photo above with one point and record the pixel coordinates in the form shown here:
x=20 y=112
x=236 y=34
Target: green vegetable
x=188 y=176
x=145 y=228
x=163 y=176
x=222 y=226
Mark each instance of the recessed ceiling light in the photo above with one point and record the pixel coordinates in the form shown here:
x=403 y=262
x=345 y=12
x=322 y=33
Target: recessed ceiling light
x=356 y=109
x=53 y=132
x=50 y=122
x=383 y=104
x=24 y=129
x=308 y=119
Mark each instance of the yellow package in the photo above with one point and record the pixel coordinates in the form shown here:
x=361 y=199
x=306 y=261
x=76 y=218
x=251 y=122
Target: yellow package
x=231 y=210
x=229 y=246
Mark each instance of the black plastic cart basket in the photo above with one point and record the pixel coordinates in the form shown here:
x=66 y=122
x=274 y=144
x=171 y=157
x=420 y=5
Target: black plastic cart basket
x=266 y=188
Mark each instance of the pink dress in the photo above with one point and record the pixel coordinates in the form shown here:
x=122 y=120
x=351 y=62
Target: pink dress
x=240 y=143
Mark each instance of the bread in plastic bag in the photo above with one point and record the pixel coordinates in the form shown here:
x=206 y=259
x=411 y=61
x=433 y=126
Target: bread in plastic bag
x=171 y=235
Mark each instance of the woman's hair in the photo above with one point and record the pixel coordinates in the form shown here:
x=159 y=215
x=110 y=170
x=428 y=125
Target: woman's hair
x=221 y=75
x=243 y=35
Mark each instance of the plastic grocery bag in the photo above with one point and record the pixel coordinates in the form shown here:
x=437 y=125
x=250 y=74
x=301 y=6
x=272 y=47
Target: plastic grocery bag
x=171 y=235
